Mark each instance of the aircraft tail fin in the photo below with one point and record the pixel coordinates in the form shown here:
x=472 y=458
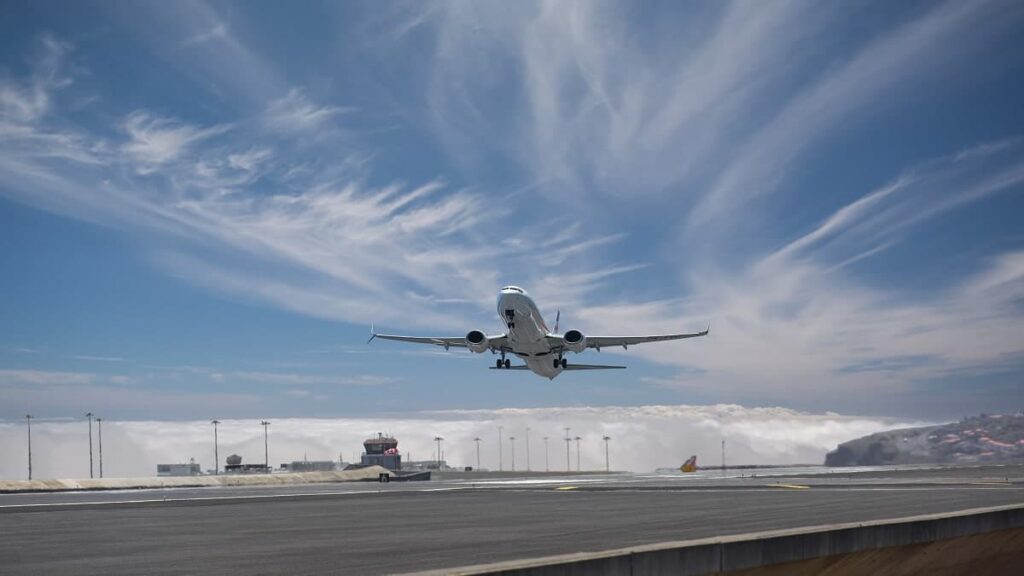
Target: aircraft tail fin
x=690 y=465
x=592 y=367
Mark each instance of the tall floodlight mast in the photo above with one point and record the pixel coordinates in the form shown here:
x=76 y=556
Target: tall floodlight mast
x=216 y=452
x=89 y=416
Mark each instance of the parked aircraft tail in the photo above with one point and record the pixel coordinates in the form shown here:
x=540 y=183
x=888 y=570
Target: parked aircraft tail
x=690 y=465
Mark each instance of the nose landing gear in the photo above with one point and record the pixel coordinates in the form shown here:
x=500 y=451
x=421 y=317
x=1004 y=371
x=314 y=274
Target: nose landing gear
x=510 y=318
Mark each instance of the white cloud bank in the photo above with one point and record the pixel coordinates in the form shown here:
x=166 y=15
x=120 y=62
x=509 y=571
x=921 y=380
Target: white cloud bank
x=643 y=438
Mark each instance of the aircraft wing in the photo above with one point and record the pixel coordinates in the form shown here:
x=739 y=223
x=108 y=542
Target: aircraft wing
x=495 y=342
x=569 y=367
x=624 y=341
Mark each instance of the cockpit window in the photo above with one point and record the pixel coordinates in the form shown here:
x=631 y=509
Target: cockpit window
x=513 y=288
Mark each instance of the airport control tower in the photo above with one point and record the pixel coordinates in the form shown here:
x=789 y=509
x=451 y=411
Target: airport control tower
x=382 y=451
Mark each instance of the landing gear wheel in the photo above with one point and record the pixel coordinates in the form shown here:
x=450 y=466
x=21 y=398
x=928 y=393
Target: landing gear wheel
x=508 y=363
x=498 y=363
x=555 y=363
x=564 y=363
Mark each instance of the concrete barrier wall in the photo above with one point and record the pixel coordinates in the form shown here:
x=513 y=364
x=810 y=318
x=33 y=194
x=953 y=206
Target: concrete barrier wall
x=58 y=485
x=748 y=553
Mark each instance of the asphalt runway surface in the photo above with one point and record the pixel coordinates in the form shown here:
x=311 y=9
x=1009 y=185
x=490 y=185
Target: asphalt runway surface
x=366 y=528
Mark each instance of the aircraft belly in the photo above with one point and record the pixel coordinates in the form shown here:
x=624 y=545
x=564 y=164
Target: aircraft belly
x=543 y=367
x=528 y=336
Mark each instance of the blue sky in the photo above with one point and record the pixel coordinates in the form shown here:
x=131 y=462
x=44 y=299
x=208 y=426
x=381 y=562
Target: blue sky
x=203 y=207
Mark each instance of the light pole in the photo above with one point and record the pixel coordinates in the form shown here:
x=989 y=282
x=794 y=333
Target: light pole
x=567 y=442
x=216 y=453
x=28 y=422
x=723 y=456
x=501 y=462
x=527 y=448
x=89 y=416
x=266 y=449
x=512 y=439
x=99 y=426
x=477 y=440
x=577 y=453
x=606 y=439
x=438 y=439
x=547 y=468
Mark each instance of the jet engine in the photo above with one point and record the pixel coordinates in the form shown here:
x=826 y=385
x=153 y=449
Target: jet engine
x=476 y=341
x=575 y=341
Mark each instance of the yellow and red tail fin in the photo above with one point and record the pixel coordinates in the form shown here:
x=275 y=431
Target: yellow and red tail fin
x=690 y=465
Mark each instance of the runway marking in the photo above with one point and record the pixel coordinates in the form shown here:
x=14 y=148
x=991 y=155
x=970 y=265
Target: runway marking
x=540 y=481
x=992 y=483
x=221 y=498
x=567 y=488
x=789 y=486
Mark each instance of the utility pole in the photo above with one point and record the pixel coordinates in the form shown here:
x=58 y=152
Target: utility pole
x=28 y=422
x=547 y=468
x=567 y=442
x=99 y=425
x=477 y=440
x=527 y=448
x=501 y=463
x=606 y=439
x=216 y=452
x=266 y=449
x=577 y=453
x=89 y=416
x=512 y=439
x=438 y=439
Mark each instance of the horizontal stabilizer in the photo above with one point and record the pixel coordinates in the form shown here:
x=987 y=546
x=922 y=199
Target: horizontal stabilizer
x=592 y=367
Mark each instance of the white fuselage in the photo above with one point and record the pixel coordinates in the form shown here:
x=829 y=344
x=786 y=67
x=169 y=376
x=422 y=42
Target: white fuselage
x=527 y=332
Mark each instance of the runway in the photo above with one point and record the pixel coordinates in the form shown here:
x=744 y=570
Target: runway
x=366 y=528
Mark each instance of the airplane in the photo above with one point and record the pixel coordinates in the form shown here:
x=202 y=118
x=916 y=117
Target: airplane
x=690 y=465
x=528 y=337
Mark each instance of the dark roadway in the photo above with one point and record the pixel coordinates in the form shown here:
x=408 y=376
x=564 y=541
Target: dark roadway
x=367 y=529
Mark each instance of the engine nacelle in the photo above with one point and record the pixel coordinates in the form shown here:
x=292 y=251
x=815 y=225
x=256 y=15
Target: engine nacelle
x=575 y=341
x=477 y=341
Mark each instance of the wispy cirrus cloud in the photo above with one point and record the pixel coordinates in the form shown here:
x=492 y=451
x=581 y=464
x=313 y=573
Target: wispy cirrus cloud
x=339 y=247
x=295 y=113
x=528 y=139
x=293 y=379
x=26 y=101
x=153 y=140
x=796 y=320
x=45 y=377
x=924 y=48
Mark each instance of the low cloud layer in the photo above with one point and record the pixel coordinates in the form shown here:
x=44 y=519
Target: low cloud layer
x=643 y=438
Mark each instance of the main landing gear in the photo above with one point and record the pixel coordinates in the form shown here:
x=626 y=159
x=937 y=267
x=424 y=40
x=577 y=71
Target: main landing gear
x=559 y=362
x=503 y=362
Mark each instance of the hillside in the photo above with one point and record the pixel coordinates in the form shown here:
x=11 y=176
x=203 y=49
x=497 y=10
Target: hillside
x=983 y=439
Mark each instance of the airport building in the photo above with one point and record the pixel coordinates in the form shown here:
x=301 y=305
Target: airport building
x=189 y=469
x=234 y=466
x=381 y=451
x=314 y=466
